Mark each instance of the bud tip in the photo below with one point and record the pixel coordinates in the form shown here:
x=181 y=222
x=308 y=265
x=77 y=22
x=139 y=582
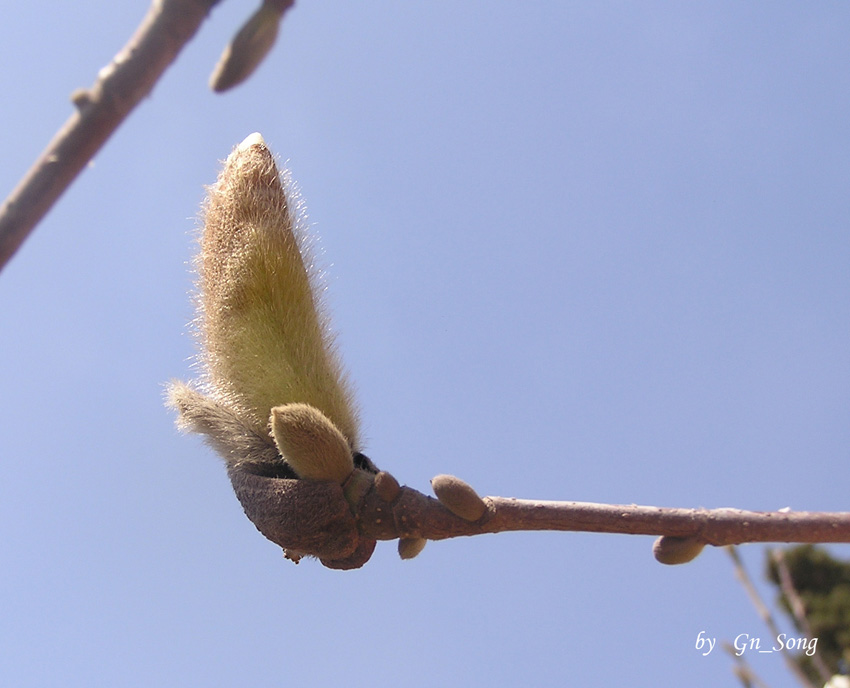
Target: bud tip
x=255 y=139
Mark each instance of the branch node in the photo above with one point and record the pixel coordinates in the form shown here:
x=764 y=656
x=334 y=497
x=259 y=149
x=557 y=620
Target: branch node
x=81 y=98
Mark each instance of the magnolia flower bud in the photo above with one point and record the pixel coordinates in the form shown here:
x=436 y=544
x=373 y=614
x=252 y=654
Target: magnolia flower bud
x=265 y=344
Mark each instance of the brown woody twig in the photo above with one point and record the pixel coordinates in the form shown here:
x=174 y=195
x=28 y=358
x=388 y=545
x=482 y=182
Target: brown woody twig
x=798 y=609
x=765 y=614
x=334 y=522
x=119 y=87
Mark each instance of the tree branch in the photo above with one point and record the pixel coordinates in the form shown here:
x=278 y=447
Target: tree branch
x=340 y=524
x=417 y=515
x=119 y=87
x=798 y=609
x=766 y=615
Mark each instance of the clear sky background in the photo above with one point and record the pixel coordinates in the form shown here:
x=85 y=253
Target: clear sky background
x=589 y=251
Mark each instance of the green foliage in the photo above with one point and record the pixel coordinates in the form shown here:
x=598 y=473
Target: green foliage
x=823 y=585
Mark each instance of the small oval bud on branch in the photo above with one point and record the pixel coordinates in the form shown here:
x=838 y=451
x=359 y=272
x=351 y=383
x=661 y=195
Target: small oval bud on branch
x=249 y=46
x=676 y=550
x=408 y=548
x=458 y=497
x=81 y=98
x=310 y=443
x=387 y=486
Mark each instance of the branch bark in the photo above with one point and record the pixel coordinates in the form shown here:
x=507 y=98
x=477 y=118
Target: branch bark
x=167 y=27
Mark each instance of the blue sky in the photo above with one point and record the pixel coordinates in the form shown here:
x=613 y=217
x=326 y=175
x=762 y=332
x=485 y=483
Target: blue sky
x=583 y=251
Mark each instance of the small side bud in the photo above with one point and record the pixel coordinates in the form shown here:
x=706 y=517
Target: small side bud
x=458 y=497
x=386 y=486
x=248 y=48
x=310 y=443
x=356 y=486
x=81 y=98
x=408 y=548
x=676 y=550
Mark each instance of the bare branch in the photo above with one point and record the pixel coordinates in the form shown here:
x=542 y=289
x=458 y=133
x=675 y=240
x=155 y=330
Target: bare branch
x=742 y=670
x=119 y=87
x=426 y=517
x=798 y=609
x=334 y=521
x=765 y=614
